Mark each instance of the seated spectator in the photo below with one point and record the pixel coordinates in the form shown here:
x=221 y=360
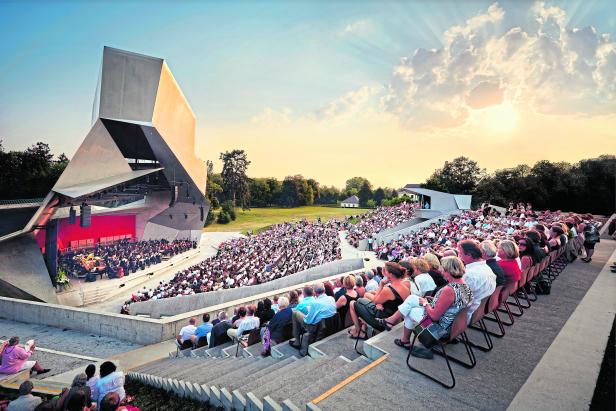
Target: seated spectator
x=488 y=253
x=275 y=306
x=329 y=289
x=26 y=401
x=305 y=303
x=265 y=311
x=277 y=324
x=371 y=285
x=78 y=396
x=218 y=318
x=359 y=286
x=478 y=276
x=248 y=323
x=239 y=316
x=321 y=307
x=15 y=358
x=111 y=402
x=187 y=334
x=347 y=294
x=202 y=331
x=219 y=336
x=508 y=254
x=525 y=245
x=110 y=381
x=382 y=304
x=442 y=309
x=293 y=299
x=422 y=283
x=435 y=270
x=92 y=380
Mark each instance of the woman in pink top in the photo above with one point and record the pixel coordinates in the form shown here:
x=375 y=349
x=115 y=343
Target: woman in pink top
x=15 y=359
x=508 y=253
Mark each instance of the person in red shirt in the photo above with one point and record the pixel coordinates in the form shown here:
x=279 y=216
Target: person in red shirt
x=509 y=253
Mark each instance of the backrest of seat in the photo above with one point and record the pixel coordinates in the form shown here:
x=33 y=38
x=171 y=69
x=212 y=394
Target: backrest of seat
x=494 y=300
x=459 y=324
x=254 y=336
x=523 y=277
x=480 y=311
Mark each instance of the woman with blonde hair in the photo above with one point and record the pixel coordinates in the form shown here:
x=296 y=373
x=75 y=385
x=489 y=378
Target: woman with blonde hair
x=435 y=270
x=509 y=253
x=345 y=296
x=442 y=309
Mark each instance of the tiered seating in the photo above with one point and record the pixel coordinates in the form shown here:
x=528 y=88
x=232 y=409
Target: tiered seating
x=252 y=382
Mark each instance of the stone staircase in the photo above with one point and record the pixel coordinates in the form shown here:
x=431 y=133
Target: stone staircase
x=250 y=382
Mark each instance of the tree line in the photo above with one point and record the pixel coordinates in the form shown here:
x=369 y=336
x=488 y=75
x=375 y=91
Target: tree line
x=585 y=186
x=588 y=186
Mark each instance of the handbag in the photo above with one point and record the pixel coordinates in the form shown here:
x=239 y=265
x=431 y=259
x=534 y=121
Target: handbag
x=428 y=332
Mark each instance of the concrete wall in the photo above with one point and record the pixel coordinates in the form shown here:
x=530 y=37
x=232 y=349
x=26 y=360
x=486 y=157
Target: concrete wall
x=380 y=239
x=177 y=305
x=123 y=327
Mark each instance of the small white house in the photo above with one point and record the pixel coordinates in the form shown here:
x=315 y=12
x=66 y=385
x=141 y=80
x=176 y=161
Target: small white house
x=351 y=202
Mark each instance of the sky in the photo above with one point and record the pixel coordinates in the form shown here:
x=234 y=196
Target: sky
x=332 y=89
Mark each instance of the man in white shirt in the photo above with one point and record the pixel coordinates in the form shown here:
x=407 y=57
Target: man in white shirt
x=250 y=322
x=187 y=333
x=479 y=276
x=371 y=285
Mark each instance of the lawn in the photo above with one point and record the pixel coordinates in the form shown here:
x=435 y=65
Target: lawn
x=258 y=218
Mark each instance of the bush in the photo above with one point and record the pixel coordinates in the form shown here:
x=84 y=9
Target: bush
x=227 y=207
x=223 y=217
x=215 y=203
x=371 y=203
x=210 y=217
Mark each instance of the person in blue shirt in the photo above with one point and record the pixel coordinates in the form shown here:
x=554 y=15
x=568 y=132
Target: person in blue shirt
x=304 y=305
x=321 y=307
x=202 y=331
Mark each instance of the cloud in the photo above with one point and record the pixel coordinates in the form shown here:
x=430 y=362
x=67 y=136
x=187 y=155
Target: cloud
x=355 y=27
x=549 y=68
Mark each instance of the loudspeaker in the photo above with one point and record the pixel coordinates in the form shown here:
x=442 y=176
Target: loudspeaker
x=202 y=212
x=174 y=195
x=72 y=216
x=86 y=215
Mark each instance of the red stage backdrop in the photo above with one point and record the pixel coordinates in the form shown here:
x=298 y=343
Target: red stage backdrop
x=101 y=227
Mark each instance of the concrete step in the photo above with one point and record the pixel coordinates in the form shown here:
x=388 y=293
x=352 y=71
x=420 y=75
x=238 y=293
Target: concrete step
x=241 y=386
x=297 y=373
x=146 y=367
x=175 y=367
x=311 y=391
x=250 y=365
x=335 y=345
x=314 y=374
x=206 y=375
x=202 y=368
x=218 y=351
x=283 y=350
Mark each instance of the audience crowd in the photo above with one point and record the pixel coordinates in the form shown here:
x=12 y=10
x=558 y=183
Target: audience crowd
x=120 y=258
x=282 y=250
x=369 y=224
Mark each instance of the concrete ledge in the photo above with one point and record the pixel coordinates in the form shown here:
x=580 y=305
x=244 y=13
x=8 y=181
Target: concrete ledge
x=566 y=376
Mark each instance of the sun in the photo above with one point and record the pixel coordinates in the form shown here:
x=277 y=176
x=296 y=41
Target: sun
x=502 y=118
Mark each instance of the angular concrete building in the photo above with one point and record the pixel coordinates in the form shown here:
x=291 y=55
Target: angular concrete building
x=135 y=175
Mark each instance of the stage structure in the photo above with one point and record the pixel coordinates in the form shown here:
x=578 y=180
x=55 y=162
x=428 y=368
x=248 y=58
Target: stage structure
x=134 y=175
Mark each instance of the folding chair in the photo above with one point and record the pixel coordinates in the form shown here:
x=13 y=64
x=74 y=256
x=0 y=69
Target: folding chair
x=477 y=318
x=492 y=307
x=248 y=338
x=458 y=329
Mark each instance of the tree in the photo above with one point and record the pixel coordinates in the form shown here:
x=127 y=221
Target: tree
x=210 y=217
x=296 y=192
x=379 y=195
x=355 y=183
x=365 y=193
x=223 y=218
x=316 y=189
x=260 y=194
x=459 y=176
x=371 y=203
x=234 y=179
x=227 y=208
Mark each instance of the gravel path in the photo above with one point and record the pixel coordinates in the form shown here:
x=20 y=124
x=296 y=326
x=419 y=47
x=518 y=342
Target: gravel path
x=69 y=341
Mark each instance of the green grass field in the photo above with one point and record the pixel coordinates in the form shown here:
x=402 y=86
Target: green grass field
x=258 y=218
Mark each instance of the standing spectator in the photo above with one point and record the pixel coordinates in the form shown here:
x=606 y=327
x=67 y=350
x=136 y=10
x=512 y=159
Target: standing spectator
x=591 y=237
x=26 y=401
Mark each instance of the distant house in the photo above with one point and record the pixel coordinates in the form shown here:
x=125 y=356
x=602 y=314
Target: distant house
x=351 y=202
